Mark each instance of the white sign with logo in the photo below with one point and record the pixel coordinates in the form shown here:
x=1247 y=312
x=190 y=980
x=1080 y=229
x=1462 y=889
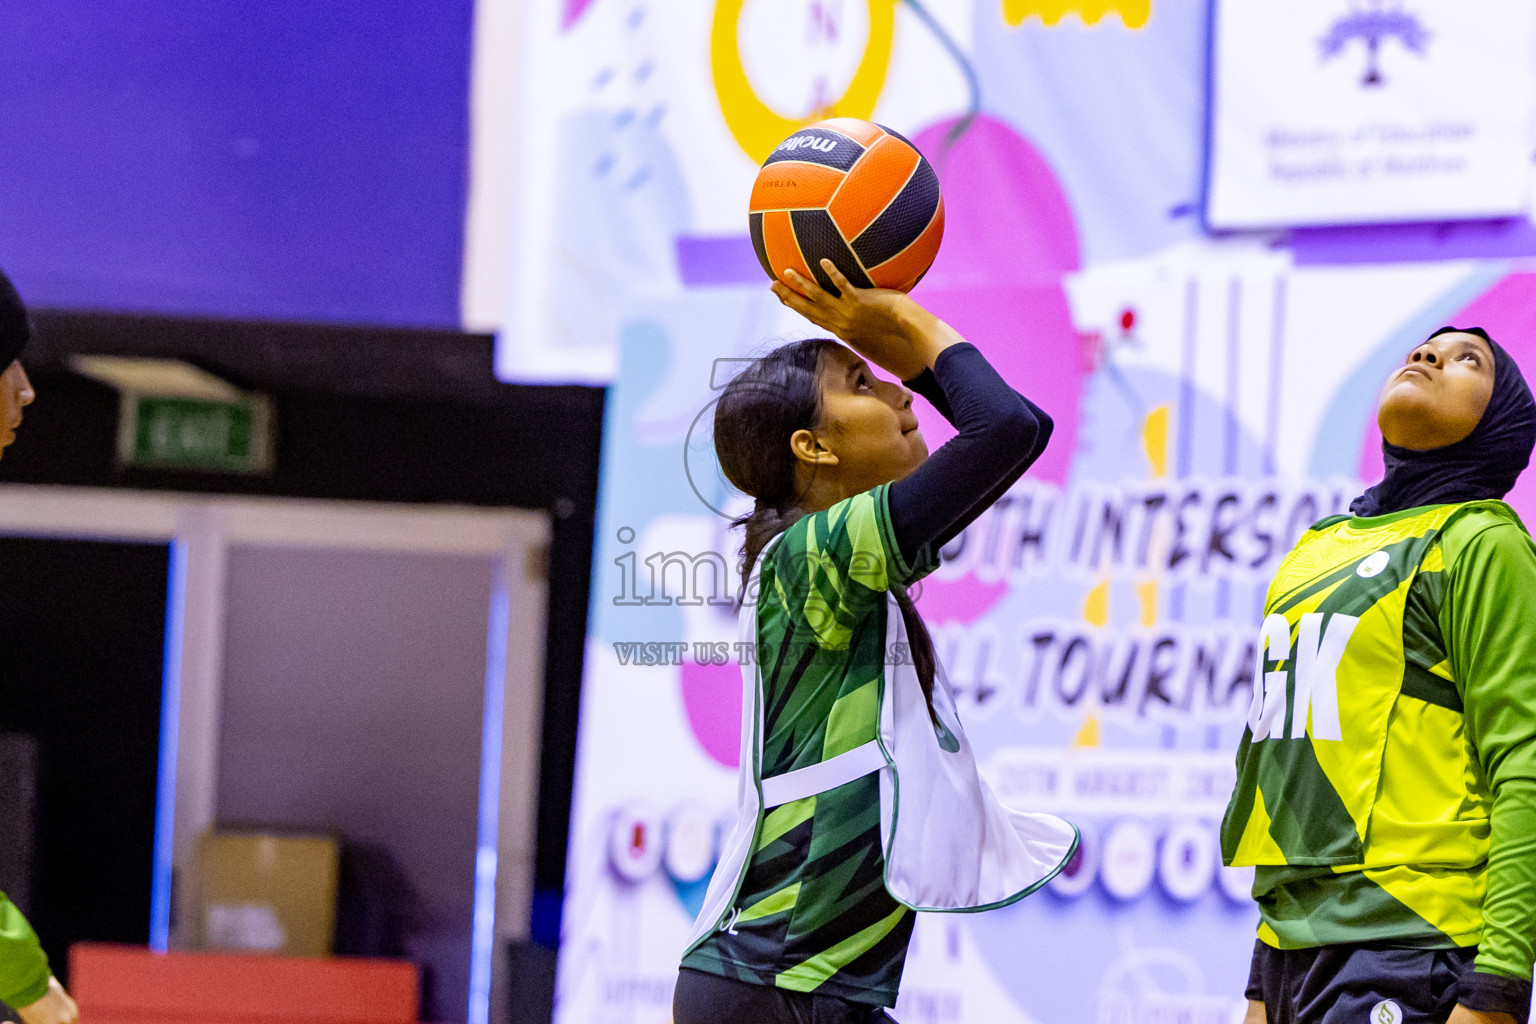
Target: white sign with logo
x=1369 y=111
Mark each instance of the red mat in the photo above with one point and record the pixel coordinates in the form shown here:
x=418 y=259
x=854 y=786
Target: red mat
x=131 y=985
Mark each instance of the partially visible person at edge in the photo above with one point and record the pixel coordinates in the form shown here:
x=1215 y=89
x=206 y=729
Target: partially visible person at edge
x=849 y=508
x=1386 y=789
x=26 y=983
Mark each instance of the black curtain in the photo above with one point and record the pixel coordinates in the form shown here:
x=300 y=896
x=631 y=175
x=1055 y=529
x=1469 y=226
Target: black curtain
x=82 y=627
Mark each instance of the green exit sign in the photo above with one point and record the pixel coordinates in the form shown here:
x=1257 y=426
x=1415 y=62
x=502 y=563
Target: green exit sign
x=196 y=434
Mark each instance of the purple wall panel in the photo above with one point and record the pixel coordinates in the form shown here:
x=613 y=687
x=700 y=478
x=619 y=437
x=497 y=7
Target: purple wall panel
x=282 y=159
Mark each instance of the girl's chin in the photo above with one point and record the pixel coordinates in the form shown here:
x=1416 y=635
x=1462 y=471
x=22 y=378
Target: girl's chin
x=1406 y=390
x=1406 y=405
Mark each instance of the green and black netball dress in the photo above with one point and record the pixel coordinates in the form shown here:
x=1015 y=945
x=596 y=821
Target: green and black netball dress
x=860 y=798
x=1360 y=795
x=1386 y=789
x=814 y=912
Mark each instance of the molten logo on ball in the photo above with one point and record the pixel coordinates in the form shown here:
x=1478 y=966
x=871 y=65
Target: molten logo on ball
x=807 y=142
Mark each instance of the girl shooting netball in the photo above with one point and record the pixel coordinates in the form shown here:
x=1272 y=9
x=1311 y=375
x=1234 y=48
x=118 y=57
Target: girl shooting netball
x=1387 y=778
x=859 y=798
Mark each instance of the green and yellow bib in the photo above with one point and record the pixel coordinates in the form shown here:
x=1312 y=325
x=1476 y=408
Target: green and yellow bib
x=1358 y=797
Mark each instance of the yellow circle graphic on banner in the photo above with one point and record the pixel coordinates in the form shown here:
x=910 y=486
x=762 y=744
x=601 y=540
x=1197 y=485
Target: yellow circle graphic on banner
x=756 y=126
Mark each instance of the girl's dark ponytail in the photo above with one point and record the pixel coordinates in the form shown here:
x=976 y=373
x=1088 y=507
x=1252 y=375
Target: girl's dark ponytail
x=757 y=413
x=766 y=521
x=923 y=657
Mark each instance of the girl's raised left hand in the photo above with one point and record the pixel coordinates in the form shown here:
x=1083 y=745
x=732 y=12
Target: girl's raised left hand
x=883 y=325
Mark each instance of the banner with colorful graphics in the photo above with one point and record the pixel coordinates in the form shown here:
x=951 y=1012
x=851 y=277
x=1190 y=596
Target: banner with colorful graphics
x=1330 y=113
x=1212 y=397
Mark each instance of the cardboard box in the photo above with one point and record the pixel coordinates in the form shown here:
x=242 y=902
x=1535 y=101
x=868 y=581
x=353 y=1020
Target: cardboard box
x=263 y=893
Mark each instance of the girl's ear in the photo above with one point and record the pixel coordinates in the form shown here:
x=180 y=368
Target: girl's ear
x=809 y=450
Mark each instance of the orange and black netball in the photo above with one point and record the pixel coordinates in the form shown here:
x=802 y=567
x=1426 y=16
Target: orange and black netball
x=851 y=191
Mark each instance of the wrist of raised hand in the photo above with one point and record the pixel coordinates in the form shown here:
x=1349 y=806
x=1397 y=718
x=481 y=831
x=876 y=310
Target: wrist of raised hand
x=925 y=334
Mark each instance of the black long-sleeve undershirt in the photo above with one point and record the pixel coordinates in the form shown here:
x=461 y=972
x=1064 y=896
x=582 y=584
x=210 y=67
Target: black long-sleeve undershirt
x=1001 y=433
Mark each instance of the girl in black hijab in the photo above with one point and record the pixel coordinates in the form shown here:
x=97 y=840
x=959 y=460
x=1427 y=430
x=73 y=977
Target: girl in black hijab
x=1484 y=464
x=1386 y=790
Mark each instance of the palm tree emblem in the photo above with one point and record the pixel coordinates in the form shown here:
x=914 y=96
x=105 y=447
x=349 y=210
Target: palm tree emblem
x=1373 y=22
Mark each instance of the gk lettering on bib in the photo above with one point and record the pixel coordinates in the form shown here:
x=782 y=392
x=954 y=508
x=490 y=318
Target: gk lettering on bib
x=1315 y=691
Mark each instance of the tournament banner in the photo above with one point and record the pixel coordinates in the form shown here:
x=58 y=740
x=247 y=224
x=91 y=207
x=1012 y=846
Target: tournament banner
x=1333 y=112
x=1212 y=398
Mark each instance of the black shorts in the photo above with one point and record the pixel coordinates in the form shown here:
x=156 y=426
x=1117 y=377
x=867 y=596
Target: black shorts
x=704 y=998
x=1357 y=984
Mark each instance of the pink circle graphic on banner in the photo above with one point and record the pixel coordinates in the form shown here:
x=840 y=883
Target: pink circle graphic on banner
x=573 y=12
x=712 y=698
x=1009 y=238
